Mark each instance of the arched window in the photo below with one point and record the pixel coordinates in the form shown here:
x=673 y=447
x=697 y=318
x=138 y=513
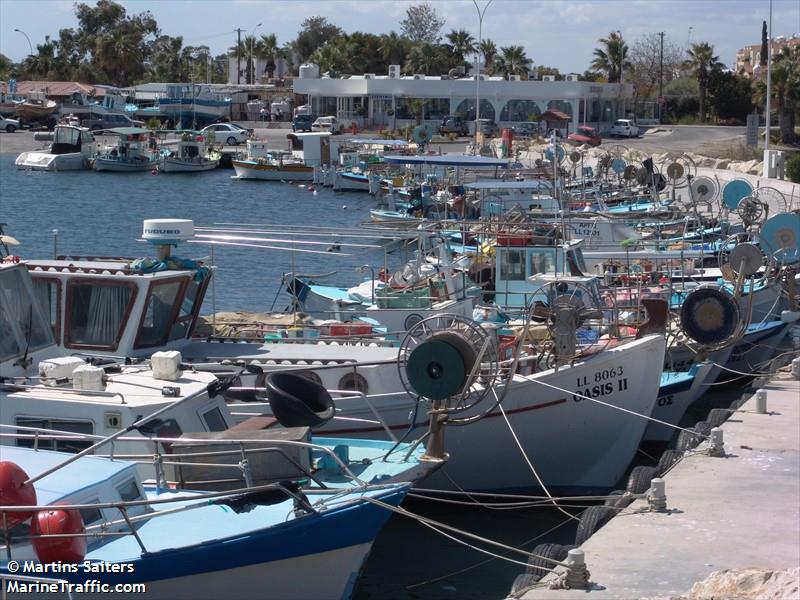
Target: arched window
x=466 y=109
x=520 y=110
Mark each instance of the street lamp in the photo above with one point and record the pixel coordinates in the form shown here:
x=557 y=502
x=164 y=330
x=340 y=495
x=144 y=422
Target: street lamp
x=481 y=13
x=689 y=38
x=252 y=60
x=30 y=46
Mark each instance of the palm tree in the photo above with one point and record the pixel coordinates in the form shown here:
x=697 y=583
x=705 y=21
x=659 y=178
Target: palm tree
x=41 y=64
x=785 y=90
x=611 y=57
x=393 y=48
x=461 y=43
x=513 y=61
x=701 y=62
x=424 y=58
x=268 y=48
x=489 y=51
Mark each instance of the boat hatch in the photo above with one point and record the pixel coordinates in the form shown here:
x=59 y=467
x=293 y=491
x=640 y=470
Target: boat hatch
x=23 y=326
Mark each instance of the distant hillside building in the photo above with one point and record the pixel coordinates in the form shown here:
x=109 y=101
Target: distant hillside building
x=389 y=100
x=748 y=59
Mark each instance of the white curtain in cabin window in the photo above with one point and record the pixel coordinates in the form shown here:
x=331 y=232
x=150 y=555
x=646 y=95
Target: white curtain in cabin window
x=106 y=311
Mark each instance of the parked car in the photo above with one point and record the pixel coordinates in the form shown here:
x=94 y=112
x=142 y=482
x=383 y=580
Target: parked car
x=488 y=127
x=453 y=125
x=9 y=125
x=330 y=124
x=585 y=135
x=624 y=128
x=109 y=121
x=231 y=133
x=526 y=129
x=303 y=122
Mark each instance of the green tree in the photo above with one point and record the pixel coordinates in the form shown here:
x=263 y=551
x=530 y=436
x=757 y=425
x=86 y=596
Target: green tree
x=513 y=61
x=393 y=48
x=730 y=95
x=701 y=63
x=268 y=48
x=6 y=67
x=314 y=33
x=461 y=44
x=489 y=51
x=427 y=59
x=422 y=24
x=785 y=91
x=611 y=58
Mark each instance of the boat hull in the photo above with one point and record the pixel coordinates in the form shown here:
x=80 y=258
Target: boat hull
x=44 y=161
x=344 y=182
x=267 y=172
x=118 y=166
x=170 y=165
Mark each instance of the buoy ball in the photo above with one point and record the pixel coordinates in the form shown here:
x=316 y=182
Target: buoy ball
x=60 y=549
x=14 y=492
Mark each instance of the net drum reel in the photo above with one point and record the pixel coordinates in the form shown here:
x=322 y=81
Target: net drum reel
x=780 y=238
x=452 y=363
x=734 y=191
x=679 y=171
x=710 y=317
x=703 y=194
x=740 y=258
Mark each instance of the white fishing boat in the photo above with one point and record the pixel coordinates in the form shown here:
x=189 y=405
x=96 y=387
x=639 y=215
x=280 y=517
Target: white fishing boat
x=270 y=165
x=71 y=150
x=132 y=153
x=35 y=107
x=192 y=155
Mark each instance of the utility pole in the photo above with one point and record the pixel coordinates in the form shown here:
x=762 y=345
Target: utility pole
x=661 y=77
x=769 y=83
x=238 y=31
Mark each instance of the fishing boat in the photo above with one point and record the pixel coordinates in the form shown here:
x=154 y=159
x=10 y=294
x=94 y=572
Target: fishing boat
x=192 y=155
x=193 y=105
x=35 y=107
x=270 y=165
x=132 y=152
x=71 y=150
x=185 y=543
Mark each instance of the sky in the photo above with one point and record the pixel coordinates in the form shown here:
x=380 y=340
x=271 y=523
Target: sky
x=555 y=33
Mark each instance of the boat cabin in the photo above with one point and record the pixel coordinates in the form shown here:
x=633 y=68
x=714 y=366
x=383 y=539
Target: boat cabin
x=517 y=260
x=119 y=306
x=68 y=139
x=315 y=149
x=493 y=197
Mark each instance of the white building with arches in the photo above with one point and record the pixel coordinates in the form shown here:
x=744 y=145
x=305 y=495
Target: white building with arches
x=391 y=100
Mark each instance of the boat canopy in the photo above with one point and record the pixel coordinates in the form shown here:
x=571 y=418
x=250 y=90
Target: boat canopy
x=127 y=131
x=377 y=142
x=509 y=185
x=448 y=160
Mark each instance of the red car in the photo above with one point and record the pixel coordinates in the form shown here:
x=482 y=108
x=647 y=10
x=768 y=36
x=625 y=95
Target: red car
x=585 y=135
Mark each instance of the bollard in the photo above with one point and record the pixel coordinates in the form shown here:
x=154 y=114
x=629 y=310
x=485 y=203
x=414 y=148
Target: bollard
x=657 y=495
x=717 y=447
x=796 y=368
x=577 y=577
x=761 y=402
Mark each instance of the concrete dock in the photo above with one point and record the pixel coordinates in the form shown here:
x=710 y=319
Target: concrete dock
x=739 y=511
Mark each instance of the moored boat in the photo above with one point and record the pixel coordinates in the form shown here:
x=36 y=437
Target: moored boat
x=71 y=150
x=129 y=155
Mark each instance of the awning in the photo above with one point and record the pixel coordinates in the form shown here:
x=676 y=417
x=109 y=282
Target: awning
x=448 y=160
x=509 y=185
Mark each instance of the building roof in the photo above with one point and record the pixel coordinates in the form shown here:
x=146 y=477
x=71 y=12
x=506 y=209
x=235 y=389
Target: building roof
x=554 y=115
x=62 y=88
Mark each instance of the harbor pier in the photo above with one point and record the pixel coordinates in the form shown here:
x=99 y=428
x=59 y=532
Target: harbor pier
x=737 y=511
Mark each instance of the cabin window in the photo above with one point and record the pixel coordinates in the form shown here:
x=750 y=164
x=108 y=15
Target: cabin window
x=22 y=325
x=188 y=308
x=97 y=312
x=512 y=265
x=159 y=313
x=129 y=491
x=62 y=425
x=90 y=515
x=214 y=420
x=543 y=261
x=48 y=292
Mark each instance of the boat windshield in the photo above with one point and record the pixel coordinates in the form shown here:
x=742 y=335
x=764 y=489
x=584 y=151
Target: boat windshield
x=67 y=135
x=23 y=327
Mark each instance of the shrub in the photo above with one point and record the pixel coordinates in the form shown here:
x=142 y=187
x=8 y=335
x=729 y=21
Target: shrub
x=793 y=168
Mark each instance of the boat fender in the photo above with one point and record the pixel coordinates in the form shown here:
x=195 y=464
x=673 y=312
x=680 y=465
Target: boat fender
x=15 y=492
x=11 y=259
x=68 y=549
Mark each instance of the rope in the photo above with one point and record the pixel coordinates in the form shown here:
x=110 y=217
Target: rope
x=530 y=464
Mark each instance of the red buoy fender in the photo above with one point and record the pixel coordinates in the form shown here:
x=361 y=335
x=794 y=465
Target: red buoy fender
x=61 y=549
x=14 y=492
